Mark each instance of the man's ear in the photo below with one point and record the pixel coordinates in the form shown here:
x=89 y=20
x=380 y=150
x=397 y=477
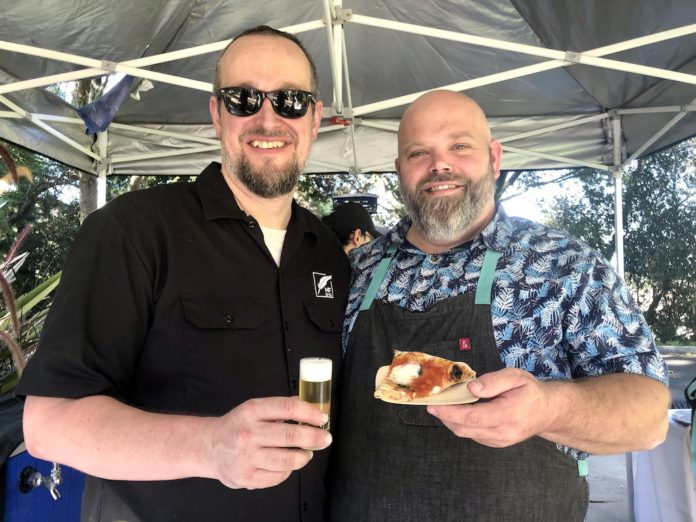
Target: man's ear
x=354 y=238
x=496 y=156
x=215 y=116
x=397 y=164
x=316 y=119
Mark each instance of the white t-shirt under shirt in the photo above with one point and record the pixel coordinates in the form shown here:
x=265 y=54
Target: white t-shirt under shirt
x=274 y=242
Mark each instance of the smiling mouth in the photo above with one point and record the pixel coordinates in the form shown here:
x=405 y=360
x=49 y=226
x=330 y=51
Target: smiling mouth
x=261 y=144
x=440 y=187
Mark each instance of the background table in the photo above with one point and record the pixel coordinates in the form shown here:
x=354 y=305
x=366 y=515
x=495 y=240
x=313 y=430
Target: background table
x=663 y=485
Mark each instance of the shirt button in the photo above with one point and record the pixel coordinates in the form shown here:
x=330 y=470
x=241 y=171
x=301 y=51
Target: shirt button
x=251 y=224
x=433 y=259
x=419 y=295
x=229 y=319
x=287 y=327
x=294 y=383
x=305 y=506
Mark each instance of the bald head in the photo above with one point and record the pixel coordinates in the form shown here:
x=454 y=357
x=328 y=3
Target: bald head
x=264 y=30
x=435 y=109
x=447 y=167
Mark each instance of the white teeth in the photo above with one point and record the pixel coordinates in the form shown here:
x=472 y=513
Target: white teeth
x=441 y=187
x=267 y=144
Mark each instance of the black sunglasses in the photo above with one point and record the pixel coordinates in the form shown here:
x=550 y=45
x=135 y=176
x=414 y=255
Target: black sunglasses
x=245 y=101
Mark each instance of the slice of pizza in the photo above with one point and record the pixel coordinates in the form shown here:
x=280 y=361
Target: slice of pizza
x=414 y=375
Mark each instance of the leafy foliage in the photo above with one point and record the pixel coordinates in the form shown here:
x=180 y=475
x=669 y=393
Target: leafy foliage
x=315 y=192
x=660 y=233
x=18 y=327
x=49 y=205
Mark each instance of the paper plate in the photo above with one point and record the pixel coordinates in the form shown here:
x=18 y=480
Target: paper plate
x=457 y=394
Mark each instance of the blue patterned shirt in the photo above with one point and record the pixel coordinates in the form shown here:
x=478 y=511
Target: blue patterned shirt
x=559 y=310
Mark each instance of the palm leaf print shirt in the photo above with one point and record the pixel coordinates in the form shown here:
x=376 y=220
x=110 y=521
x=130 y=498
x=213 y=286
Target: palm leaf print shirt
x=559 y=310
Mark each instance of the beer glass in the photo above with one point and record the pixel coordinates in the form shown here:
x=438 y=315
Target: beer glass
x=315 y=383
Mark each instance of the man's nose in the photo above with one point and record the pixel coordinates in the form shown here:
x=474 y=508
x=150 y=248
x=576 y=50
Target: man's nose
x=439 y=164
x=267 y=113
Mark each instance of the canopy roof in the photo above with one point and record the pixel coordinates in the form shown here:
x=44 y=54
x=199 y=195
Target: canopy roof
x=558 y=80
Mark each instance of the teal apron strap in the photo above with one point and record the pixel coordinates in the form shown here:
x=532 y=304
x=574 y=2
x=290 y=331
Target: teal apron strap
x=377 y=278
x=485 y=282
x=582 y=467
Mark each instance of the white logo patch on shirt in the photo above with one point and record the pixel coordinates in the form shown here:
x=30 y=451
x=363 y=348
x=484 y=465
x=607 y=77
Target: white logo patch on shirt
x=323 y=285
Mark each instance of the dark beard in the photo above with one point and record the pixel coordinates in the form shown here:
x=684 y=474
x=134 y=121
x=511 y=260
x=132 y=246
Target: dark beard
x=268 y=181
x=446 y=218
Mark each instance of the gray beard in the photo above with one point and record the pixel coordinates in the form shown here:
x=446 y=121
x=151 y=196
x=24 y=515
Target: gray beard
x=445 y=218
x=268 y=181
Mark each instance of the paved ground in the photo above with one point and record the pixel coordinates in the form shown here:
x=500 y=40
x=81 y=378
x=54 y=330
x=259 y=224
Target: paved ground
x=608 y=480
x=608 y=490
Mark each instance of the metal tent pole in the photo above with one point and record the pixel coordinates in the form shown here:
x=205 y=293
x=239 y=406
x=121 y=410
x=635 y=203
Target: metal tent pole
x=103 y=167
x=618 y=230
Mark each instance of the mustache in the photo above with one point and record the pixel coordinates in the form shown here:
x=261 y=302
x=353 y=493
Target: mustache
x=442 y=178
x=259 y=131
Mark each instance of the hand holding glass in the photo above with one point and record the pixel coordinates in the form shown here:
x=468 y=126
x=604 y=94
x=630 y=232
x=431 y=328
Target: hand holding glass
x=315 y=383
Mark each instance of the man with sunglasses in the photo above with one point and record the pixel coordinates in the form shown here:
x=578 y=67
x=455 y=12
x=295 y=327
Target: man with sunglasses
x=566 y=363
x=168 y=366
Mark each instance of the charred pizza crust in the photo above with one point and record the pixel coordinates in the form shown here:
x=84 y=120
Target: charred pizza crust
x=414 y=375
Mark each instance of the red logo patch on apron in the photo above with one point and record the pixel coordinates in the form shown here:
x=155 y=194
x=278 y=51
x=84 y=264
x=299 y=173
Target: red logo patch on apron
x=465 y=343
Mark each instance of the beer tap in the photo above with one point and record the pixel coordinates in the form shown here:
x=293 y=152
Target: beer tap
x=31 y=478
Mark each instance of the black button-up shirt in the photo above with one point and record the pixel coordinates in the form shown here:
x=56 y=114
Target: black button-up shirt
x=171 y=302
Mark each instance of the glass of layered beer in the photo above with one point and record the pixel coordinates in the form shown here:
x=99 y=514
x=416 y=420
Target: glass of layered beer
x=315 y=383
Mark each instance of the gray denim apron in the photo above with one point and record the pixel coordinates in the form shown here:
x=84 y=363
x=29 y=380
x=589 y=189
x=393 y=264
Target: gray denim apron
x=399 y=463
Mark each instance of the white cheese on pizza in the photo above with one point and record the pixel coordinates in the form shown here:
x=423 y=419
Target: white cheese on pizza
x=415 y=375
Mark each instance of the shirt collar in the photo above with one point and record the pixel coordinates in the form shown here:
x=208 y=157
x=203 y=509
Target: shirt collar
x=496 y=235
x=216 y=196
x=218 y=201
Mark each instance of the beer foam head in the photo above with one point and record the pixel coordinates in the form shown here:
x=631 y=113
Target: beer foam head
x=315 y=369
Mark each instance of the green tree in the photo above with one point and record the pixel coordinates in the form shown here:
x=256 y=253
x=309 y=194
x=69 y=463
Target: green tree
x=315 y=191
x=49 y=205
x=21 y=317
x=660 y=233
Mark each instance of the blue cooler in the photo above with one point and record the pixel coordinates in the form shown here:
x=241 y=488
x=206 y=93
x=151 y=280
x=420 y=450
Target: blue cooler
x=25 y=496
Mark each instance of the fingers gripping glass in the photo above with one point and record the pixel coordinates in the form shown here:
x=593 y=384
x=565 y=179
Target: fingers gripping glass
x=288 y=103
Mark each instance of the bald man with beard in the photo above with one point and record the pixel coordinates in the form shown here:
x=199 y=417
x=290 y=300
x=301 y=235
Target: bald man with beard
x=566 y=364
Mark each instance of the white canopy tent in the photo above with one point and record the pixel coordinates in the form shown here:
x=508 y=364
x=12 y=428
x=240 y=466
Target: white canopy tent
x=565 y=83
x=557 y=82
x=589 y=83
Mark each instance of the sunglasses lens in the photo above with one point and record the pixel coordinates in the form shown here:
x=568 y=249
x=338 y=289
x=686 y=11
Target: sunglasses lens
x=240 y=101
x=290 y=103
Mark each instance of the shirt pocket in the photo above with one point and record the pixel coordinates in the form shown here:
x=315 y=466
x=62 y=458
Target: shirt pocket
x=327 y=316
x=214 y=311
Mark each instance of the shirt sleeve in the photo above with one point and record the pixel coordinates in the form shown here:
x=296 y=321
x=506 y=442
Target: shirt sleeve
x=605 y=329
x=99 y=317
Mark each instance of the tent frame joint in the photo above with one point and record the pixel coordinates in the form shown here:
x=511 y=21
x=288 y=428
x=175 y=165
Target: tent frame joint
x=573 y=57
x=108 y=65
x=613 y=114
x=342 y=110
x=345 y=15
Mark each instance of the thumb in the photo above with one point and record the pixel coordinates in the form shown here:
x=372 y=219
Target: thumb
x=494 y=383
x=476 y=387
